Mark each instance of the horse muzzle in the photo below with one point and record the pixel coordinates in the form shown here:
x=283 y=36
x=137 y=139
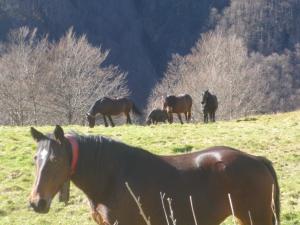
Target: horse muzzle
x=40 y=205
x=91 y=121
x=91 y=126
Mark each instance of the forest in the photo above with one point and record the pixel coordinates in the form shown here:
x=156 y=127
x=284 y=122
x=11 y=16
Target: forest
x=245 y=52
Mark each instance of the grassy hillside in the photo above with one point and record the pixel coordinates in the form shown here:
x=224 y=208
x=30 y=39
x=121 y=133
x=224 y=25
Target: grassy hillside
x=275 y=136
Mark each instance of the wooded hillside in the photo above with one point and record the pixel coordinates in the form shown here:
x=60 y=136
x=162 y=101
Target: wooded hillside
x=144 y=38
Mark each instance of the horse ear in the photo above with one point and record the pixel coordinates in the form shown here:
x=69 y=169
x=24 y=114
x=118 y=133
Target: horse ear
x=36 y=135
x=59 y=133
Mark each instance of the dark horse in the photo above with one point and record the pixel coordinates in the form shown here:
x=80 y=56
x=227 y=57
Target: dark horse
x=100 y=167
x=210 y=106
x=156 y=116
x=178 y=104
x=111 y=106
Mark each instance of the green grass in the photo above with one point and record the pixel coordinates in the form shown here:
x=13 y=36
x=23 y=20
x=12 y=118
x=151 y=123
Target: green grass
x=275 y=136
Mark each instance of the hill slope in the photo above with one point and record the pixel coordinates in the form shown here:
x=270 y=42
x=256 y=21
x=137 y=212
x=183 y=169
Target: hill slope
x=141 y=35
x=275 y=136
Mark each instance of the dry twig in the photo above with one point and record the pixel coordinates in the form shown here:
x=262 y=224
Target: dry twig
x=192 y=207
x=138 y=203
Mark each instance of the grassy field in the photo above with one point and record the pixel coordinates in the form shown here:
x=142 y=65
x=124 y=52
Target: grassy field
x=275 y=136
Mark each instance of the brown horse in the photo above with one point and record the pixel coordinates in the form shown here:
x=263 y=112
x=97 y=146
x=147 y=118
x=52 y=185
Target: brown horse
x=178 y=104
x=210 y=106
x=156 y=116
x=100 y=167
x=111 y=106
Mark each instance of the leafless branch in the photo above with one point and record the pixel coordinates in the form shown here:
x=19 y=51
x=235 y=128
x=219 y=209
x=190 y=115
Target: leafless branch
x=139 y=205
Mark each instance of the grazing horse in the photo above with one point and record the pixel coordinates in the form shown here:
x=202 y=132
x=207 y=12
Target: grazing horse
x=210 y=106
x=178 y=104
x=111 y=106
x=102 y=167
x=157 y=115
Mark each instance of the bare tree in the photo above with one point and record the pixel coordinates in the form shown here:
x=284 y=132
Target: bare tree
x=21 y=70
x=76 y=79
x=244 y=83
x=43 y=82
x=220 y=63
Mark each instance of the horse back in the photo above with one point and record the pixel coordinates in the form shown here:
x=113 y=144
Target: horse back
x=215 y=101
x=114 y=106
x=182 y=103
x=208 y=176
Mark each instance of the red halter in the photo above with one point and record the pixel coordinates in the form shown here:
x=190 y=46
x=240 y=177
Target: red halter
x=75 y=152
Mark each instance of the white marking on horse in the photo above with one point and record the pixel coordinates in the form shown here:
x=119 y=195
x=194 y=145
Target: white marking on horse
x=44 y=154
x=213 y=155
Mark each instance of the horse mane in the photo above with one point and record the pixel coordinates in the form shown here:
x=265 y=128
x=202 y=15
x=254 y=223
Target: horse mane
x=93 y=148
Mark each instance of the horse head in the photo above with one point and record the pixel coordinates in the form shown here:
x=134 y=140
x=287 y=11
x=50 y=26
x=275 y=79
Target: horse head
x=168 y=103
x=205 y=96
x=53 y=166
x=91 y=119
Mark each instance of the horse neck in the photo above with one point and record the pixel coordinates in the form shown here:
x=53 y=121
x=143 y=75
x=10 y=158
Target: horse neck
x=99 y=166
x=209 y=97
x=92 y=110
x=91 y=172
x=97 y=106
x=172 y=101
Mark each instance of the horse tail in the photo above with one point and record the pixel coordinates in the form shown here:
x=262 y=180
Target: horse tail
x=190 y=100
x=276 y=194
x=135 y=110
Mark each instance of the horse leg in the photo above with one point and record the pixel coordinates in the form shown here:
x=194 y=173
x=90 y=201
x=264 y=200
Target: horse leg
x=98 y=216
x=205 y=117
x=105 y=121
x=214 y=116
x=255 y=219
x=128 y=120
x=189 y=115
x=170 y=118
x=111 y=121
x=186 y=116
x=211 y=117
x=179 y=117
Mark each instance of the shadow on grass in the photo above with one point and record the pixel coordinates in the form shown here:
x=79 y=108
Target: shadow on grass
x=247 y=119
x=3 y=213
x=186 y=148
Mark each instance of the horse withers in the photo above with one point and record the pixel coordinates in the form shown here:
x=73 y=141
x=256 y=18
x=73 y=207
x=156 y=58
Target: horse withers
x=178 y=104
x=108 y=107
x=156 y=116
x=100 y=167
x=210 y=106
